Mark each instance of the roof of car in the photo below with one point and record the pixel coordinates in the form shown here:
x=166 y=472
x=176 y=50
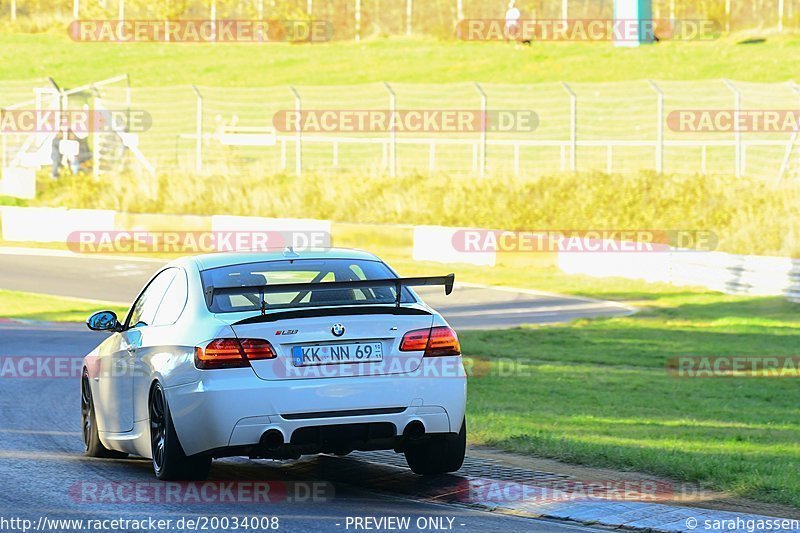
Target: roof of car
x=209 y=261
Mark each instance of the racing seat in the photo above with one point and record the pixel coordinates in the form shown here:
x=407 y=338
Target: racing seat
x=338 y=296
x=226 y=302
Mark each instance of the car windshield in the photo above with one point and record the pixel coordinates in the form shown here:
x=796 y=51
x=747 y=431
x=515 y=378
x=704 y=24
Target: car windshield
x=298 y=271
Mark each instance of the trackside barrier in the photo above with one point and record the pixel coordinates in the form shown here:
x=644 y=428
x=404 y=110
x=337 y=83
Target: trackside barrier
x=158 y=222
x=51 y=224
x=651 y=267
x=18 y=182
x=300 y=226
x=718 y=271
x=435 y=243
x=241 y=223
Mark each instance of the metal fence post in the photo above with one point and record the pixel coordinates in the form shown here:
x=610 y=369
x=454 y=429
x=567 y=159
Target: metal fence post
x=737 y=107
x=13 y=10
x=727 y=16
x=787 y=155
x=298 y=136
x=64 y=104
x=260 y=9
x=76 y=8
x=213 y=18
x=310 y=7
x=358 y=20
x=198 y=149
x=409 y=12
x=573 y=126
x=121 y=12
x=564 y=9
x=659 y=128
x=484 y=130
x=460 y=10
x=128 y=96
x=393 y=131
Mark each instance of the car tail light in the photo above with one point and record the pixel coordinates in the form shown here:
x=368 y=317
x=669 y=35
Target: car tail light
x=415 y=341
x=257 y=349
x=232 y=353
x=440 y=341
x=443 y=342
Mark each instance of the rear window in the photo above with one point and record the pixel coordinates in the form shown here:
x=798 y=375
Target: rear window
x=299 y=271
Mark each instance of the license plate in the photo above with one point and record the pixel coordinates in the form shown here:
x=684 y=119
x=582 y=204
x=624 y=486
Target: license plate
x=334 y=354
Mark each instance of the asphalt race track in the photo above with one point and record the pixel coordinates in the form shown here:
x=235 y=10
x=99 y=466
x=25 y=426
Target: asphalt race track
x=44 y=473
x=120 y=280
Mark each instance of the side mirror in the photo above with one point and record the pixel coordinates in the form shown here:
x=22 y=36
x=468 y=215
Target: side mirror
x=104 y=321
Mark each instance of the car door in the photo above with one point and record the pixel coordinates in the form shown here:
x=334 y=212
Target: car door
x=159 y=349
x=119 y=370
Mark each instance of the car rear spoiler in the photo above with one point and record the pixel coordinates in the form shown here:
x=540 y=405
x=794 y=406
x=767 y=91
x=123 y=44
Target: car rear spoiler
x=283 y=288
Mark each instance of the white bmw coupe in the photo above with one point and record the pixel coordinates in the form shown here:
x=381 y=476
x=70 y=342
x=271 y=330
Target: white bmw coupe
x=274 y=356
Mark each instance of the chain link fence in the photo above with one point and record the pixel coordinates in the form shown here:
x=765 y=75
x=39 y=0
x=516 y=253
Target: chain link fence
x=620 y=127
x=353 y=19
x=611 y=127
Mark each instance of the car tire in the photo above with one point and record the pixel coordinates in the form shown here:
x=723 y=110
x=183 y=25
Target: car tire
x=438 y=455
x=342 y=452
x=170 y=463
x=92 y=446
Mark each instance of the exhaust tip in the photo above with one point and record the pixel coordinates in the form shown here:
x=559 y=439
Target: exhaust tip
x=414 y=430
x=272 y=439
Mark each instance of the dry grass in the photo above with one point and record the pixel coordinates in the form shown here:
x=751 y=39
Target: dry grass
x=748 y=216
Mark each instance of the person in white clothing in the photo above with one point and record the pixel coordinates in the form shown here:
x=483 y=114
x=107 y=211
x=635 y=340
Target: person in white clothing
x=513 y=17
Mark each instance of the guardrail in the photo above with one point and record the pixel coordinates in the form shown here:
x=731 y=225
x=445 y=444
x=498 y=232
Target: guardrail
x=717 y=271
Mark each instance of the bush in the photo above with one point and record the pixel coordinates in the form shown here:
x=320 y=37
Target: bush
x=748 y=215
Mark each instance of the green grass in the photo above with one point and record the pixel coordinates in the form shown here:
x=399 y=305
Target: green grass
x=28 y=306
x=10 y=200
x=396 y=59
x=598 y=393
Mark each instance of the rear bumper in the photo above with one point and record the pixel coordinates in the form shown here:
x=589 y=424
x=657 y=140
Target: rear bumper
x=234 y=408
